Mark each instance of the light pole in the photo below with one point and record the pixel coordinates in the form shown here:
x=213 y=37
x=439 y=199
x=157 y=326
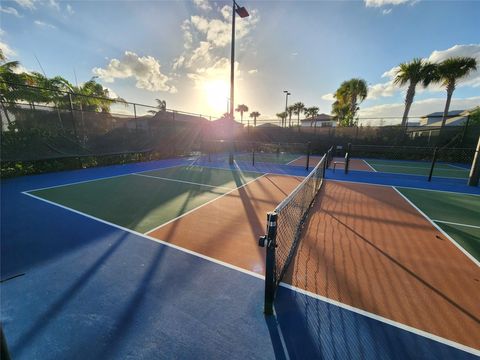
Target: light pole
x=243 y=13
x=286 y=105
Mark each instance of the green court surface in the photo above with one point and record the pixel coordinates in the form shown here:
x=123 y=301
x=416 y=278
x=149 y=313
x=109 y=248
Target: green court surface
x=456 y=214
x=146 y=200
x=417 y=168
x=281 y=158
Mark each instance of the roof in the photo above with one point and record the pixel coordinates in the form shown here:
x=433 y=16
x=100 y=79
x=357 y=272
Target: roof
x=440 y=113
x=320 y=117
x=268 y=124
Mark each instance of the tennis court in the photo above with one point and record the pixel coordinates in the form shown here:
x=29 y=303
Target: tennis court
x=418 y=168
x=161 y=259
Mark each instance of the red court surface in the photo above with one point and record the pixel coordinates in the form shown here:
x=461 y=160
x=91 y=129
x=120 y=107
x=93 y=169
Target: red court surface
x=367 y=247
x=355 y=164
x=227 y=229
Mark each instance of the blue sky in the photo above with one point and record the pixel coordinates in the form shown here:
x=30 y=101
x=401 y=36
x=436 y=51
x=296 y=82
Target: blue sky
x=179 y=51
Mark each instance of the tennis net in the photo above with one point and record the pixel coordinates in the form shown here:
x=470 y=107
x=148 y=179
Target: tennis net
x=284 y=227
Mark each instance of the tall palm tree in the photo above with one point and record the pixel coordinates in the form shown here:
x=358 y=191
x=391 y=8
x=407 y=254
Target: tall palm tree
x=348 y=96
x=311 y=112
x=299 y=108
x=449 y=72
x=413 y=72
x=357 y=92
x=241 y=109
x=9 y=91
x=255 y=115
x=161 y=105
x=282 y=116
x=290 y=111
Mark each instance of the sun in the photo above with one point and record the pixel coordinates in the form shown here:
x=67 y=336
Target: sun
x=216 y=92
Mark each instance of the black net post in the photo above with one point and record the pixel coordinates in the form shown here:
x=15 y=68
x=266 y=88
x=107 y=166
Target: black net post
x=474 y=176
x=308 y=156
x=269 y=241
x=434 y=160
x=347 y=157
x=253 y=156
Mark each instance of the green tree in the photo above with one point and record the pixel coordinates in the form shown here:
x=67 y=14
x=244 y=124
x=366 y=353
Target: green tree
x=283 y=117
x=10 y=92
x=312 y=112
x=413 y=72
x=449 y=72
x=161 y=106
x=241 y=109
x=298 y=109
x=348 y=96
x=290 y=111
x=255 y=115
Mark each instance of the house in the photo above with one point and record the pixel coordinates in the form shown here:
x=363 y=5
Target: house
x=322 y=120
x=268 y=125
x=455 y=118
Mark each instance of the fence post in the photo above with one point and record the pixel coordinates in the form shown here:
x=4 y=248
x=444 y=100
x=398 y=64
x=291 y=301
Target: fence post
x=347 y=157
x=434 y=160
x=135 y=115
x=4 y=353
x=475 y=170
x=73 y=116
x=308 y=156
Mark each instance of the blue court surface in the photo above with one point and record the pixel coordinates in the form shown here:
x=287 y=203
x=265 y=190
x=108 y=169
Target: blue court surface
x=74 y=287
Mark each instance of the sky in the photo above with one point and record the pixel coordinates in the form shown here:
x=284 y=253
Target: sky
x=179 y=51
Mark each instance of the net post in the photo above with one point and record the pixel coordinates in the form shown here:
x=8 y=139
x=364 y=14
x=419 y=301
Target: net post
x=434 y=160
x=253 y=156
x=308 y=156
x=4 y=353
x=347 y=157
x=270 y=244
x=474 y=176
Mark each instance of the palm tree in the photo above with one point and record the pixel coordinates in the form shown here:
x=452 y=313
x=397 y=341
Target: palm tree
x=282 y=116
x=9 y=81
x=451 y=70
x=241 y=109
x=413 y=72
x=357 y=91
x=348 y=96
x=299 y=108
x=311 y=112
x=255 y=115
x=161 y=106
x=290 y=111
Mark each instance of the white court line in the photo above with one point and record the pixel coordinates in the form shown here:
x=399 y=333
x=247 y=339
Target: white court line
x=459 y=224
x=295 y=160
x=182 y=181
x=420 y=168
x=385 y=320
x=465 y=252
x=104 y=178
x=458 y=167
x=403 y=187
x=370 y=166
x=262 y=277
x=238 y=169
x=200 y=206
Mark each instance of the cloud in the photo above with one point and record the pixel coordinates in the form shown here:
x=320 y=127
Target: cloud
x=70 y=10
x=2 y=32
x=54 y=4
x=201 y=53
x=294 y=54
x=202 y=4
x=44 y=24
x=178 y=62
x=328 y=97
x=187 y=34
x=380 y=3
x=7 y=50
x=418 y=109
x=253 y=71
x=386 y=11
x=10 y=10
x=220 y=70
x=218 y=32
x=145 y=70
x=26 y=4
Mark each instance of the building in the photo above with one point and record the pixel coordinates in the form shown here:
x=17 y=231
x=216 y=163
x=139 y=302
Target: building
x=455 y=118
x=322 y=120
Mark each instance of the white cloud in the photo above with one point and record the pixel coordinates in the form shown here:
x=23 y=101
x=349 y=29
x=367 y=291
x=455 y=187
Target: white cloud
x=253 y=71
x=386 y=11
x=44 y=24
x=219 y=32
x=202 y=4
x=200 y=54
x=54 y=4
x=70 y=10
x=2 y=32
x=178 y=62
x=10 y=10
x=26 y=4
x=380 y=3
x=7 y=50
x=111 y=94
x=294 y=53
x=187 y=35
x=419 y=108
x=220 y=70
x=145 y=70
x=328 y=97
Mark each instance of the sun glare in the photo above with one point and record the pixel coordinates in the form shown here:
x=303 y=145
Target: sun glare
x=216 y=92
